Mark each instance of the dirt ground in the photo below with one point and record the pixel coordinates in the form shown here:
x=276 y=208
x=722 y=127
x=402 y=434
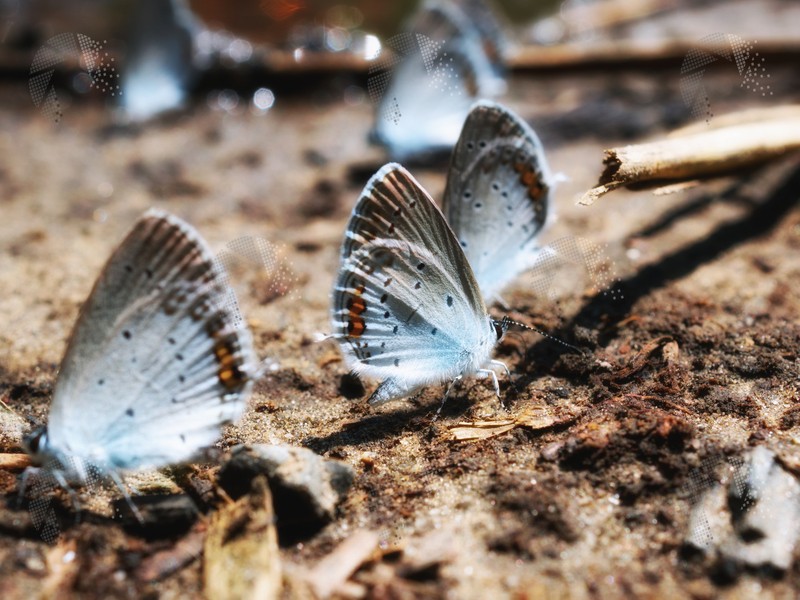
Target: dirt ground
x=692 y=359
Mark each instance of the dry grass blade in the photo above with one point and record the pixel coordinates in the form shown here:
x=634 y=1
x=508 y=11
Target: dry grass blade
x=471 y=431
x=241 y=549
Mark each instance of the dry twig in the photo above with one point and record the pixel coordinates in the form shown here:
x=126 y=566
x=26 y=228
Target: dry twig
x=736 y=143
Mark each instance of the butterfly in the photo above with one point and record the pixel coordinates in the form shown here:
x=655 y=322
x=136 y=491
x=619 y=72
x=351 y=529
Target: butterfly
x=497 y=196
x=406 y=306
x=155 y=364
x=437 y=69
x=160 y=59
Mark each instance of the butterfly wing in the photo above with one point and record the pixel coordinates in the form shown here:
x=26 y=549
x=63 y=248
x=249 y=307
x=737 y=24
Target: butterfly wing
x=406 y=306
x=156 y=363
x=497 y=198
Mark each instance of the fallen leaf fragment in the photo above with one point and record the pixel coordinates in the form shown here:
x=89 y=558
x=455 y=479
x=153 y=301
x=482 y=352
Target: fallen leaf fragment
x=534 y=418
x=241 y=549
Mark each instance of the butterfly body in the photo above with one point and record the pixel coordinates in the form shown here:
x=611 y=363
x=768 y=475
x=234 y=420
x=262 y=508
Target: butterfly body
x=406 y=306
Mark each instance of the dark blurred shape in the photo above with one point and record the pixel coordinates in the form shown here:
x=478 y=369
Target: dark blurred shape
x=161 y=516
x=306 y=488
x=450 y=56
x=159 y=67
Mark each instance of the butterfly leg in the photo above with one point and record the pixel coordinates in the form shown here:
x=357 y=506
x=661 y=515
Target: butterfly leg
x=73 y=496
x=493 y=375
x=446 y=394
x=497 y=363
x=121 y=486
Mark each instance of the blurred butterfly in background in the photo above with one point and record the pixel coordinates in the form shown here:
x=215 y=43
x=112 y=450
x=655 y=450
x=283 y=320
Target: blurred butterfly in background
x=155 y=365
x=451 y=55
x=498 y=195
x=159 y=63
x=406 y=307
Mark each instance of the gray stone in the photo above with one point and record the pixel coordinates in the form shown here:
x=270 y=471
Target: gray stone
x=759 y=525
x=306 y=488
x=12 y=429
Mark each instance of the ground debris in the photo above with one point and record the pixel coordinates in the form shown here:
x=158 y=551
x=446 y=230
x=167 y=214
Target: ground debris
x=14 y=462
x=333 y=571
x=306 y=488
x=166 y=562
x=640 y=361
x=750 y=516
x=533 y=417
x=12 y=429
x=162 y=515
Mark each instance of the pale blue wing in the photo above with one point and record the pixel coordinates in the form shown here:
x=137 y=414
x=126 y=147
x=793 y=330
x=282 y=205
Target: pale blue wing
x=440 y=68
x=497 y=198
x=156 y=363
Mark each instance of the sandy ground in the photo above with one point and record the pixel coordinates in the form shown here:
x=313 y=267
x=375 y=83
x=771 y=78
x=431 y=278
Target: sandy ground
x=693 y=358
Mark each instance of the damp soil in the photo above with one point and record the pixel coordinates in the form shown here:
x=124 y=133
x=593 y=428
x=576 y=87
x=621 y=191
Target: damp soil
x=690 y=356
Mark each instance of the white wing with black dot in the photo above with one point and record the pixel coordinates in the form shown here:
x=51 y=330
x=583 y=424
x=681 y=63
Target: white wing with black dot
x=497 y=198
x=406 y=307
x=156 y=363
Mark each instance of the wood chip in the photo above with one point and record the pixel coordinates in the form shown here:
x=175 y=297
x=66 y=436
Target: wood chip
x=335 y=569
x=14 y=462
x=241 y=549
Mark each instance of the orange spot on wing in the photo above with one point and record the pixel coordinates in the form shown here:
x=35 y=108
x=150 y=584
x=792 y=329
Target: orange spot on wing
x=229 y=373
x=531 y=180
x=356 y=305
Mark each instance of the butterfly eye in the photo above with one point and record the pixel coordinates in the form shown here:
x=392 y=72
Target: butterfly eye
x=500 y=328
x=35 y=441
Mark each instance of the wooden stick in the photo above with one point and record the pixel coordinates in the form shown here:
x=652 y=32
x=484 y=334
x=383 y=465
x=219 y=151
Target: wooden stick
x=693 y=153
x=625 y=54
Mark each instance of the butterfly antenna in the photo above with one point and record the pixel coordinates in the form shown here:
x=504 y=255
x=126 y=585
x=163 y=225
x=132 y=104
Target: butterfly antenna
x=545 y=334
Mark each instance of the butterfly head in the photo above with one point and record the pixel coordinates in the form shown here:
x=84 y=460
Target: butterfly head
x=500 y=327
x=36 y=444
